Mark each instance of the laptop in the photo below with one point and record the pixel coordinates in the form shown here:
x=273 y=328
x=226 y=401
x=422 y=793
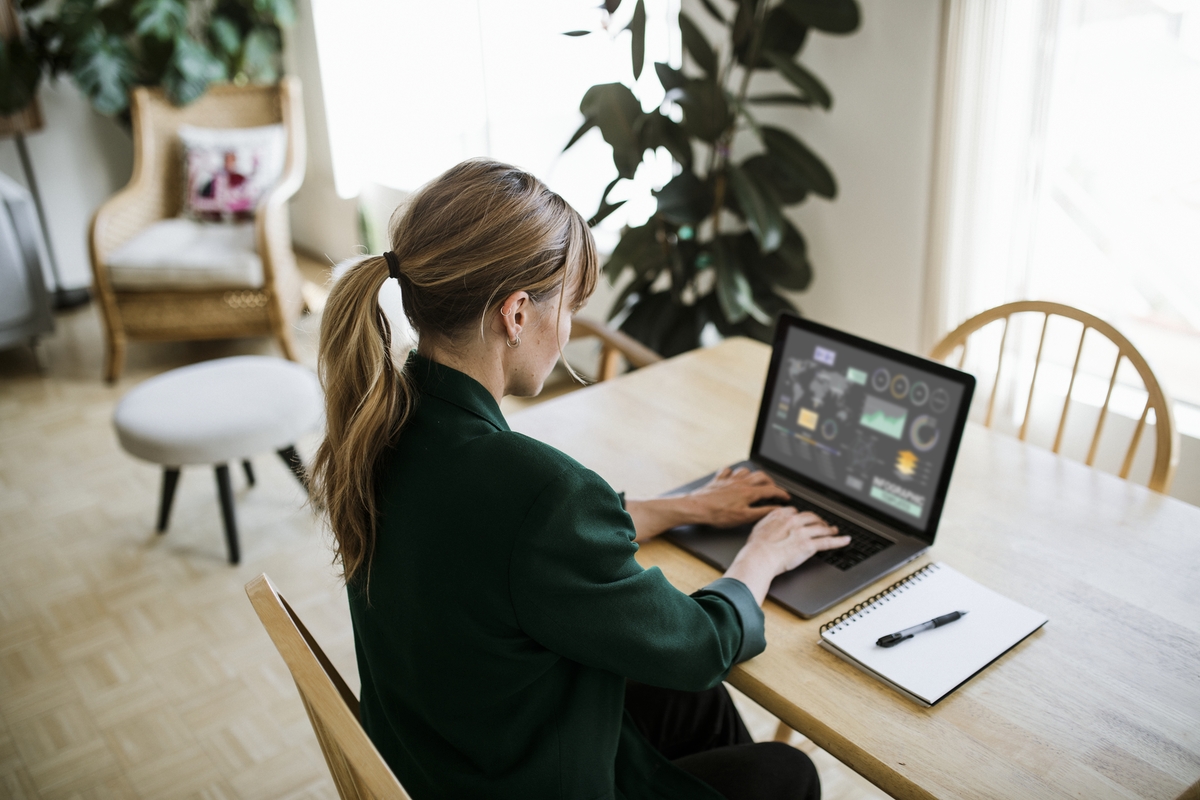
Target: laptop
x=861 y=434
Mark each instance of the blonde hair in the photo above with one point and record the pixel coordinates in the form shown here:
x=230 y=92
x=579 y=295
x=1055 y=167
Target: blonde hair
x=464 y=242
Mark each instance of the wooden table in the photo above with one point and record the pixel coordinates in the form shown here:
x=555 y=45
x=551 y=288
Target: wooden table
x=1104 y=701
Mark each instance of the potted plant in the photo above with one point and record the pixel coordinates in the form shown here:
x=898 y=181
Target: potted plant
x=110 y=46
x=719 y=249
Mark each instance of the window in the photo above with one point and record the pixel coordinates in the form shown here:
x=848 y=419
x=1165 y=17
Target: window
x=413 y=88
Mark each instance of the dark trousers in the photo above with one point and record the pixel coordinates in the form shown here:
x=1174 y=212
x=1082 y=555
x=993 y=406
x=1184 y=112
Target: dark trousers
x=702 y=733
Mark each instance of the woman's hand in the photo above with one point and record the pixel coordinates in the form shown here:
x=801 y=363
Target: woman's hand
x=728 y=499
x=724 y=502
x=781 y=541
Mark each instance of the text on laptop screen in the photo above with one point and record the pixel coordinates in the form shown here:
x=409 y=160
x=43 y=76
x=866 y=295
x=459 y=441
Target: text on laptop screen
x=862 y=424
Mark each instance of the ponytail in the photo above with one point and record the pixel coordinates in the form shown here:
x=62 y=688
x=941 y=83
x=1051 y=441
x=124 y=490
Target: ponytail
x=368 y=398
x=460 y=245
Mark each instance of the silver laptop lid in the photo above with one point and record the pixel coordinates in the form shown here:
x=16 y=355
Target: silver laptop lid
x=867 y=426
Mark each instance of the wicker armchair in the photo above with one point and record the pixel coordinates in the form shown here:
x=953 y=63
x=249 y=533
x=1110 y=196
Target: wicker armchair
x=156 y=192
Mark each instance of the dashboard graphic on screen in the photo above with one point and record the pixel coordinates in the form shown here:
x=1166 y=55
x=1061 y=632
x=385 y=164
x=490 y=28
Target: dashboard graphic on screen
x=862 y=424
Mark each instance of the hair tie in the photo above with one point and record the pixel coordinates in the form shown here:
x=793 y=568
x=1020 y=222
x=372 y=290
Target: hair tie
x=393 y=263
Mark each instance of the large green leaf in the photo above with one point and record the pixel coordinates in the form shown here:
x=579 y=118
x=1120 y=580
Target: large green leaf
x=637 y=27
x=160 y=19
x=616 y=111
x=705 y=107
x=650 y=317
x=831 y=16
x=20 y=73
x=260 y=55
x=669 y=77
x=685 y=200
x=787 y=267
x=191 y=70
x=791 y=150
x=658 y=130
x=224 y=35
x=732 y=287
x=695 y=43
x=759 y=208
x=606 y=207
x=713 y=12
x=640 y=249
x=743 y=24
x=781 y=33
x=777 y=177
x=104 y=70
x=275 y=12
x=779 y=99
x=801 y=78
x=117 y=17
x=77 y=21
x=640 y=284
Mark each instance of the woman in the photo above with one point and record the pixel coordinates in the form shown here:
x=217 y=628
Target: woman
x=499 y=613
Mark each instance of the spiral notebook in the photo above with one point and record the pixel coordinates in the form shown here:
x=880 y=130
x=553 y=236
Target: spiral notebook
x=932 y=664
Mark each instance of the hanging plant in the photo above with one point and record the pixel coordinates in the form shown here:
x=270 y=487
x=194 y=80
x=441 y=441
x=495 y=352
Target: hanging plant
x=719 y=249
x=110 y=46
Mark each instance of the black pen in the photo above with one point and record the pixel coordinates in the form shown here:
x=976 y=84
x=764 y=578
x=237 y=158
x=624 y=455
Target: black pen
x=893 y=639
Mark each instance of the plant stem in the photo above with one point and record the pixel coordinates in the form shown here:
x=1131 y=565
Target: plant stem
x=724 y=142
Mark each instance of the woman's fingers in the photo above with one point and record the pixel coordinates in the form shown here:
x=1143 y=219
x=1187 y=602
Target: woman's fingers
x=831 y=542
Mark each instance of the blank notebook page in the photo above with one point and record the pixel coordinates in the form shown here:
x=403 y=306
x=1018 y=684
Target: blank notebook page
x=933 y=663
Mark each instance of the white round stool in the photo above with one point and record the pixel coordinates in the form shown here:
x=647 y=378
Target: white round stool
x=216 y=412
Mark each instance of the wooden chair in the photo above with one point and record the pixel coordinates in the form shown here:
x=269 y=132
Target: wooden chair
x=155 y=192
x=1166 y=454
x=357 y=768
x=613 y=345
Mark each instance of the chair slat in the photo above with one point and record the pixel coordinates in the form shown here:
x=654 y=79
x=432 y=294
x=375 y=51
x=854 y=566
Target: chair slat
x=1137 y=438
x=1091 y=457
x=1166 y=435
x=1062 y=420
x=996 y=385
x=962 y=357
x=1037 y=363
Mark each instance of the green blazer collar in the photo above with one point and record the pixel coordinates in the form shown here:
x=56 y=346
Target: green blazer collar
x=456 y=388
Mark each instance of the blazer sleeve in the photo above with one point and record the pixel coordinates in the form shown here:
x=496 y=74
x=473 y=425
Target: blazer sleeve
x=578 y=591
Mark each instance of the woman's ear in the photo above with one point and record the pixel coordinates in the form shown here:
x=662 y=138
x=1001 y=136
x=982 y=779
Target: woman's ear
x=514 y=314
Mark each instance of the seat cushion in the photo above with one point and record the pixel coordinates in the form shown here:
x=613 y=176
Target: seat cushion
x=188 y=254
x=219 y=411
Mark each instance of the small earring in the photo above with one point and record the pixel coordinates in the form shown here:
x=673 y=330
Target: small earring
x=516 y=343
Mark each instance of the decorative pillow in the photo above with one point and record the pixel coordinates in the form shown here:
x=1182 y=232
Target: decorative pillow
x=228 y=170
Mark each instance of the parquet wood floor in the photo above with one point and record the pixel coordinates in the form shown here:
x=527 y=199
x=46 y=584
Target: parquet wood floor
x=132 y=665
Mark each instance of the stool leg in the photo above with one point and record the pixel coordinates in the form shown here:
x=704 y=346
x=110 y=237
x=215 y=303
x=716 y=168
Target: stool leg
x=170 y=481
x=225 y=490
x=292 y=459
x=249 y=471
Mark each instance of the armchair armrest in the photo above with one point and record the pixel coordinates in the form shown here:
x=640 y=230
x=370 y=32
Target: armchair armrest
x=272 y=233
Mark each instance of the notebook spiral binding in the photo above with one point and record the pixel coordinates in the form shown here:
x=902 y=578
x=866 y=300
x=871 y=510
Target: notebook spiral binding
x=875 y=598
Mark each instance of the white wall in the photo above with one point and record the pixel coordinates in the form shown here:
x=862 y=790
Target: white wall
x=868 y=246
x=79 y=159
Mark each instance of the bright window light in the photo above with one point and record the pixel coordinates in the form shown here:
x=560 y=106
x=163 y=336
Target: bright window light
x=413 y=88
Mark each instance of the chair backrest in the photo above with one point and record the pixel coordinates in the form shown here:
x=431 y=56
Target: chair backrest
x=157 y=156
x=357 y=768
x=613 y=345
x=1166 y=453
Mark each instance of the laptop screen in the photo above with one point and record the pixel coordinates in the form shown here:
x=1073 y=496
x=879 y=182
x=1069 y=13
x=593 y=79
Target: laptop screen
x=873 y=427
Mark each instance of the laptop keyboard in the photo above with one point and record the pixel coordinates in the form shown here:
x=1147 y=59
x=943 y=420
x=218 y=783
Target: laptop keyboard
x=863 y=543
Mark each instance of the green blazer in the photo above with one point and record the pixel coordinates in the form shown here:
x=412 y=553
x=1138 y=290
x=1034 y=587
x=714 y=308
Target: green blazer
x=503 y=610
